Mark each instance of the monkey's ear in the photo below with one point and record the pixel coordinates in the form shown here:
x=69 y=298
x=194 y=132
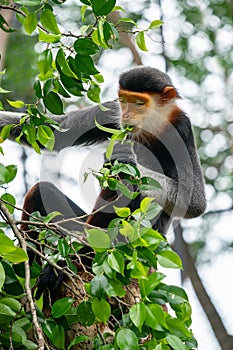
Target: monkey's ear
x=169 y=92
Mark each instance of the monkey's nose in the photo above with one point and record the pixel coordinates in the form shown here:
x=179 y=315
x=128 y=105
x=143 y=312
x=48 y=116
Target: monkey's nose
x=126 y=116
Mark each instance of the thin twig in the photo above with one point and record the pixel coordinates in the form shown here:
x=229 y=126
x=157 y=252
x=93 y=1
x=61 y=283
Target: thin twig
x=23 y=244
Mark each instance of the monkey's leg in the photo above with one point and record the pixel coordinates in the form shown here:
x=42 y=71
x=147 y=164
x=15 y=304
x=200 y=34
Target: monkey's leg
x=46 y=198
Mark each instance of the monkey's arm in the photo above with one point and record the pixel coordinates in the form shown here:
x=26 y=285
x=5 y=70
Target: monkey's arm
x=177 y=199
x=182 y=193
x=79 y=125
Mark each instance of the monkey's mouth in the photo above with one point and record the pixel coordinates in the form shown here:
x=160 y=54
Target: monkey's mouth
x=128 y=127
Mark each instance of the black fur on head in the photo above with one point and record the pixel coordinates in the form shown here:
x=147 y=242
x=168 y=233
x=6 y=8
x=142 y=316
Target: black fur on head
x=144 y=79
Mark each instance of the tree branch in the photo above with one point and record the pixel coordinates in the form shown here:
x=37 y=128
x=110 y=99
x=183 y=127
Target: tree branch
x=23 y=244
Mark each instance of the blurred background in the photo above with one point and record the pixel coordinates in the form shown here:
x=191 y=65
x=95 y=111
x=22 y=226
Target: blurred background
x=195 y=47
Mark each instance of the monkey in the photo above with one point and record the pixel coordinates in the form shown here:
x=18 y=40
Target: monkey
x=163 y=148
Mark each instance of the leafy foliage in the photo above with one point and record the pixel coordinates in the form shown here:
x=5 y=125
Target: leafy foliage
x=130 y=250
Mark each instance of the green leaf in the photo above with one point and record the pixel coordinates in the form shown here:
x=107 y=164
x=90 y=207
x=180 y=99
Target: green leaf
x=7 y=174
x=127 y=340
x=77 y=340
x=137 y=314
x=101 y=309
x=2 y=276
x=98 y=286
x=11 y=285
x=155 y=24
x=116 y=261
x=72 y=85
x=145 y=204
x=16 y=256
x=44 y=62
x=48 y=38
x=176 y=295
x=98 y=239
x=118 y=8
x=127 y=20
x=95 y=36
x=6 y=315
x=5 y=26
x=6 y=244
x=106 y=129
x=85 y=65
x=11 y=199
x=55 y=332
x=30 y=23
x=178 y=328
x=85 y=46
x=63 y=247
x=175 y=342
x=37 y=89
x=125 y=190
x=109 y=149
x=5 y=132
x=140 y=41
x=11 y=302
x=28 y=2
x=46 y=137
x=162 y=347
x=147 y=285
x=53 y=102
x=149 y=184
x=61 y=63
x=169 y=259
x=127 y=230
x=122 y=212
x=124 y=168
x=151 y=236
x=101 y=32
x=102 y=7
x=155 y=317
x=61 y=307
x=83 y=12
x=16 y=104
x=30 y=133
x=93 y=93
x=3 y=91
x=115 y=289
x=85 y=314
x=48 y=21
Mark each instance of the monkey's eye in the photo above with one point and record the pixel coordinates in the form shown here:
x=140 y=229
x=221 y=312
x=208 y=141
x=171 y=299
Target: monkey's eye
x=122 y=99
x=140 y=102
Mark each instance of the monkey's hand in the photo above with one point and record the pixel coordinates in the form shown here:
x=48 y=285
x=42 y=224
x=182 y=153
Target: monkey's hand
x=123 y=153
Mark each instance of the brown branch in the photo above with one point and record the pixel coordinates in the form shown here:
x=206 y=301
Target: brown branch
x=23 y=244
x=225 y=340
x=125 y=39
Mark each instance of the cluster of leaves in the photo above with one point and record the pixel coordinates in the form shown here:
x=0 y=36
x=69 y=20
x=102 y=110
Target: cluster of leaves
x=65 y=70
x=126 y=251
x=14 y=322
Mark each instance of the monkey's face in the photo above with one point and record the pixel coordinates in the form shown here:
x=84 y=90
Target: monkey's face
x=143 y=111
x=134 y=107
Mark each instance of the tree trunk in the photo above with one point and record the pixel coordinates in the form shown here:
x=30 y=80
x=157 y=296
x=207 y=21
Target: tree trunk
x=181 y=247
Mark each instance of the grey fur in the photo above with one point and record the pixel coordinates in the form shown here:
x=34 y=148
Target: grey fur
x=79 y=125
x=183 y=186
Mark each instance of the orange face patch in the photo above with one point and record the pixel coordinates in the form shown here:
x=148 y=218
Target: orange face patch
x=137 y=98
